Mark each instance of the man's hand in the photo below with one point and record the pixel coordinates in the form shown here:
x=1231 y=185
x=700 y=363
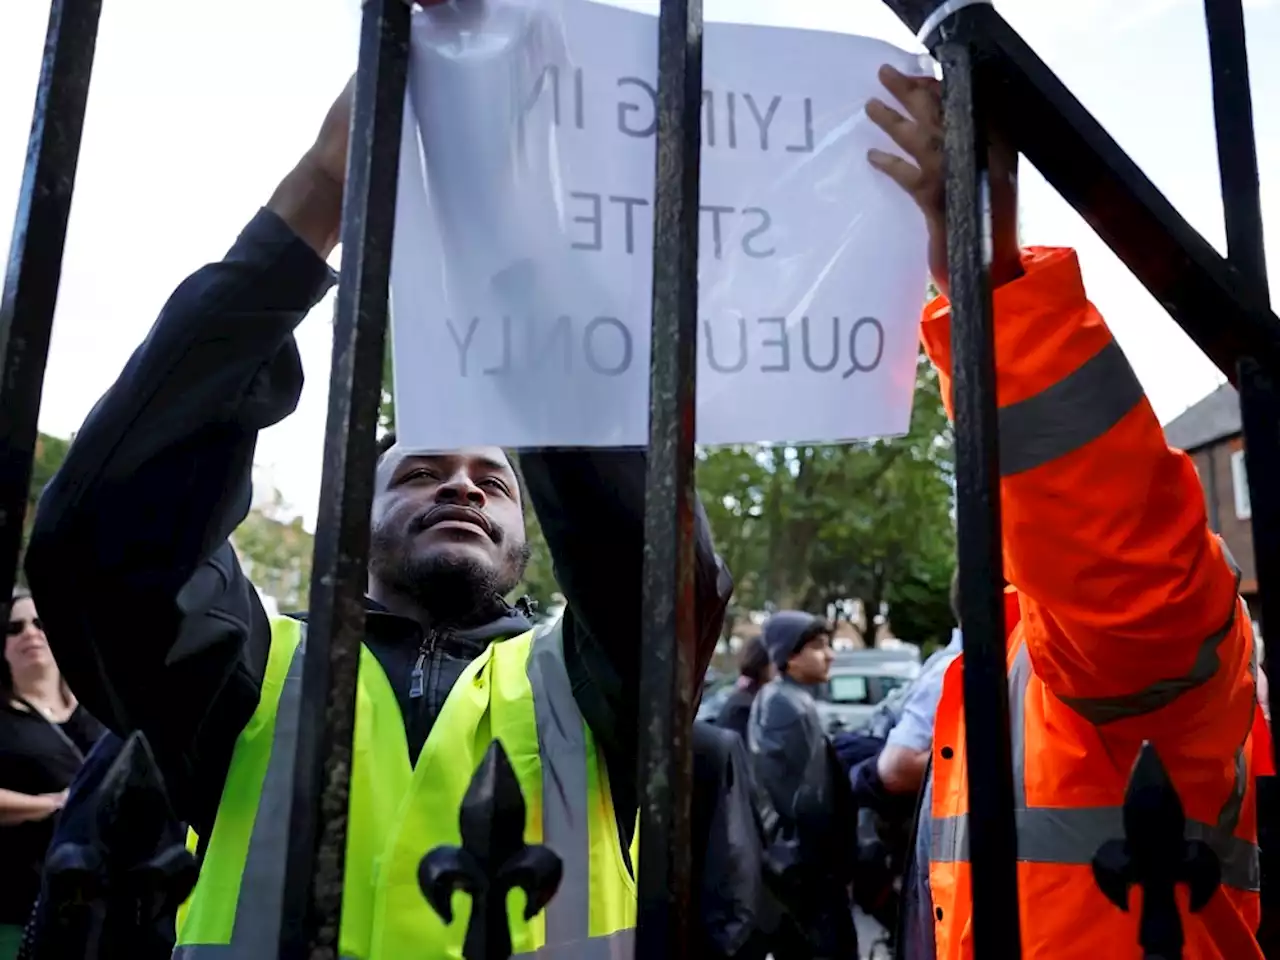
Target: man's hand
x=328 y=155
x=309 y=199
x=920 y=135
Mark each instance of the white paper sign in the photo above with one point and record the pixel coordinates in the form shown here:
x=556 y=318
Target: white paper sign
x=522 y=269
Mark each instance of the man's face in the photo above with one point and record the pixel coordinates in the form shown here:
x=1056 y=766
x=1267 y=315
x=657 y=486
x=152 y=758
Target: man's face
x=812 y=662
x=447 y=522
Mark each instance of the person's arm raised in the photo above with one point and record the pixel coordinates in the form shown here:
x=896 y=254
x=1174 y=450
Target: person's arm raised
x=309 y=198
x=919 y=133
x=591 y=507
x=151 y=619
x=1128 y=601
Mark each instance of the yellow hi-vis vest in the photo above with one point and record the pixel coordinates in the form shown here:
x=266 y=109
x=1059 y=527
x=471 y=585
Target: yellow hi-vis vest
x=518 y=692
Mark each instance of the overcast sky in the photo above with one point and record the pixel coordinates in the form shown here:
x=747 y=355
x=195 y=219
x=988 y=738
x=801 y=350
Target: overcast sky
x=197 y=109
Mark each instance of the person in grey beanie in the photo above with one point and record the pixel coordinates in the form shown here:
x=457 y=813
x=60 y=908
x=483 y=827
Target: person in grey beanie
x=795 y=766
x=784 y=730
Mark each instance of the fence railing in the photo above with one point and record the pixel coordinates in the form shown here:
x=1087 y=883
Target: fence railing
x=317 y=827
x=992 y=81
x=665 y=919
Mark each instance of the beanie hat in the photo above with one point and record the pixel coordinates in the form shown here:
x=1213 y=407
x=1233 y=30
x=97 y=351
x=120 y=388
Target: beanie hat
x=787 y=631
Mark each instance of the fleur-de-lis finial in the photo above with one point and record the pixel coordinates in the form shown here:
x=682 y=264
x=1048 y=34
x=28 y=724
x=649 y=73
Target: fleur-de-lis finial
x=1156 y=856
x=112 y=889
x=492 y=860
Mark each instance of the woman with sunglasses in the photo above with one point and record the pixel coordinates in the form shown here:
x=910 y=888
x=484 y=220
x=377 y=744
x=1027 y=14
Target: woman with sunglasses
x=44 y=736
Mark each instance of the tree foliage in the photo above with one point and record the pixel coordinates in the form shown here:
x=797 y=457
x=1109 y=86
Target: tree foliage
x=807 y=526
x=539 y=583
x=49 y=454
x=275 y=551
x=273 y=547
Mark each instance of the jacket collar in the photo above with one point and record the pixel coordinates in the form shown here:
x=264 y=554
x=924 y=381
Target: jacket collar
x=507 y=622
x=381 y=625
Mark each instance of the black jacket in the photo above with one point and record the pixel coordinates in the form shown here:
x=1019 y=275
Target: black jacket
x=137 y=520
x=784 y=734
x=737 y=710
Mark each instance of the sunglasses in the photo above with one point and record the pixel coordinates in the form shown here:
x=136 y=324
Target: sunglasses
x=17 y=626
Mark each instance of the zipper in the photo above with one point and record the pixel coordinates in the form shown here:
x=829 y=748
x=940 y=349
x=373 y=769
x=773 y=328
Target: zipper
x=416 y=684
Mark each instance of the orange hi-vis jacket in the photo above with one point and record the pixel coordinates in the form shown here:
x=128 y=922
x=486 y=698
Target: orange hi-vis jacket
x=1131 y=630
x=1264 y=763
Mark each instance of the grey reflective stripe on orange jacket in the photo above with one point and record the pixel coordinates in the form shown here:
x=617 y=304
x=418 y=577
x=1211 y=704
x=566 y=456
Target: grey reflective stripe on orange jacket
x=1075 y=411
x=1072 y=835
x=1059 y=420
x=1161 y=693
x=562 y=746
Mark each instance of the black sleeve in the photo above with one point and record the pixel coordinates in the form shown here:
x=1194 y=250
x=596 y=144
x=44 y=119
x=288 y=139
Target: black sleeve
x=728 y=868
x=590 y=504
x=152 y=621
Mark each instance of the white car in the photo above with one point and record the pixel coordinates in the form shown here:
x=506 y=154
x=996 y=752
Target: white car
x=860 y=681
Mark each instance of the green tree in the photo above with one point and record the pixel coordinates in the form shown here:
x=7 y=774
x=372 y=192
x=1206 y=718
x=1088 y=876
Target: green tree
x=275 y=551
x=539 y=583
x=273 y=546
x=812 y=525
x=735 y=487
x=49 y=453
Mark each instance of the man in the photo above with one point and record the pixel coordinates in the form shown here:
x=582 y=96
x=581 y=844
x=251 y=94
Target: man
x=136 y=525
x=897 y=770
x=1131 y=629
x=886 y=784
x=900 y=764
x=795 y=766
x=784 y=730
x=886 y=778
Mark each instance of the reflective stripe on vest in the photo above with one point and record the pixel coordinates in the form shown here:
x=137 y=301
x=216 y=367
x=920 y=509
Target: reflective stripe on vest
x=1072 y=835
x=617 y=946
x=565 y=809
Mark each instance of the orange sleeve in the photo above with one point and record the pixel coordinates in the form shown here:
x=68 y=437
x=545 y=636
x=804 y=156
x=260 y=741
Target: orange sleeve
x=1012 y=610
x=1121 y=584
x=1264 y=761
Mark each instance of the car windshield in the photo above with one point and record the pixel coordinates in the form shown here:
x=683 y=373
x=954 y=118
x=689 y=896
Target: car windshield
x=857 y=689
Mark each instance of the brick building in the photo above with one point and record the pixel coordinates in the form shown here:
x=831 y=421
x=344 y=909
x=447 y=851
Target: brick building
x=1210 y=433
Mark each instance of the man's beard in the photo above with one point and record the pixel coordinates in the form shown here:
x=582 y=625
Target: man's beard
x=454 y=591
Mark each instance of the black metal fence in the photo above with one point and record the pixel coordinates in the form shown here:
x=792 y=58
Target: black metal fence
x=992 y=81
